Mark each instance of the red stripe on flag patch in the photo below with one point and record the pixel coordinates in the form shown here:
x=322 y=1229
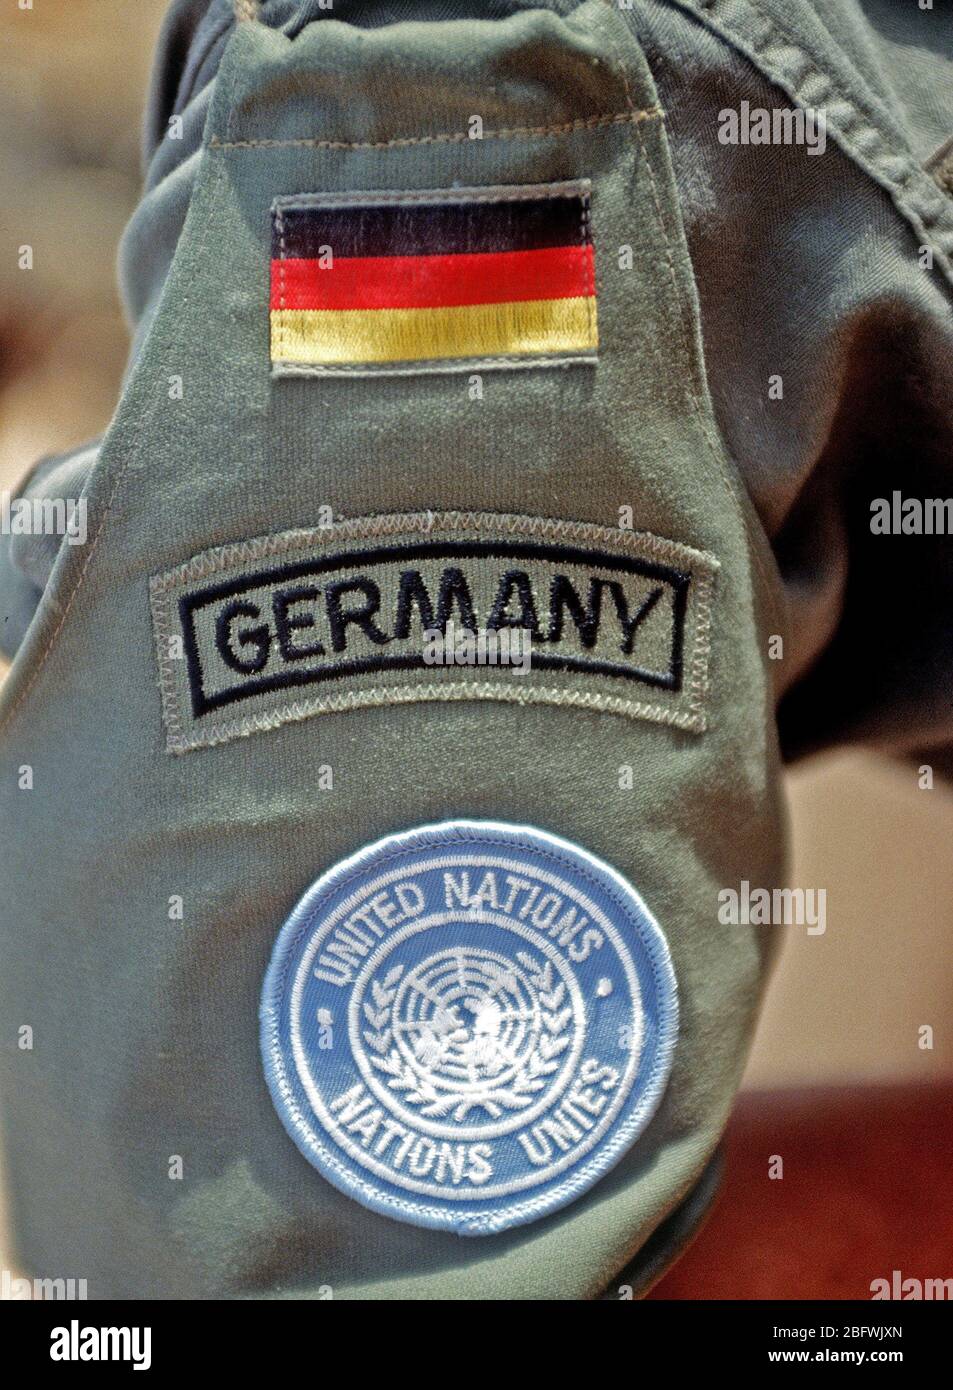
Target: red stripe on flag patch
x=431 y=282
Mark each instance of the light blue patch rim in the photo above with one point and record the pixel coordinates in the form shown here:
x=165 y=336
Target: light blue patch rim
x=344 y=1176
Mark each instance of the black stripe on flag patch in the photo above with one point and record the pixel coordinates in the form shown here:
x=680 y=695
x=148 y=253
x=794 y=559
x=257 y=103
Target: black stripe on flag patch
x=421 y=229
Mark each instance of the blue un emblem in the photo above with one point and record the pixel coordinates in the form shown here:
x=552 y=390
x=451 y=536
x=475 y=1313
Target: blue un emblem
x=467 y=1024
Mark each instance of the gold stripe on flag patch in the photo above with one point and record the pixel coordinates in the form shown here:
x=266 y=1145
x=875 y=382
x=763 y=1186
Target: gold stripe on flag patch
x=538 y=326
x=433 y=280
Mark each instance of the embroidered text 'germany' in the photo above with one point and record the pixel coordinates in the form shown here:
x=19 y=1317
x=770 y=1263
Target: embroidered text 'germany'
x=315 y=616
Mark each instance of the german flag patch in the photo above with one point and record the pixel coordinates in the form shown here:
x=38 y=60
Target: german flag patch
x=399 y=283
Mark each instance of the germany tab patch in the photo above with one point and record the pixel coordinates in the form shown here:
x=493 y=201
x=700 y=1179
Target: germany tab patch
x=400 y=283
x=432 y=606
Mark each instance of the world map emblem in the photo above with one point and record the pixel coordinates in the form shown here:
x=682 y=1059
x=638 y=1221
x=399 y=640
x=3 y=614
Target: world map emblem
x=466 y=1025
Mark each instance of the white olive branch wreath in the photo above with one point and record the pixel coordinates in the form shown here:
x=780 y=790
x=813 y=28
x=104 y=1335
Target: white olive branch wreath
x=530 y=1078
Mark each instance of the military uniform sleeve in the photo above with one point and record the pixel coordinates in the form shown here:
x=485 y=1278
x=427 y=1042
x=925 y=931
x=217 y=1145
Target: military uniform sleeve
x=441 y=551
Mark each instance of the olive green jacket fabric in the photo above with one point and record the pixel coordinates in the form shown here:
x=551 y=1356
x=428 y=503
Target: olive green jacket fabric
x=746 y=263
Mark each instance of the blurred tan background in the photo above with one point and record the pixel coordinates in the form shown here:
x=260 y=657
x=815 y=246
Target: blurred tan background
x=844 y=1007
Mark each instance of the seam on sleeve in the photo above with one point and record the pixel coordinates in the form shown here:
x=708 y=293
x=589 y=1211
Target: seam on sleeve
x=940 y=166
x=733 y=487
x=781 y=55
x=453 y=137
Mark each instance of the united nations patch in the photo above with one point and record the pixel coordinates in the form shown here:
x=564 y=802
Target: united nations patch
x=466 y=1025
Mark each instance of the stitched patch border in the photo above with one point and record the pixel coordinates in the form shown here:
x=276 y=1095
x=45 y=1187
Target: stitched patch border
x=401 y=282
x=177 y=596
